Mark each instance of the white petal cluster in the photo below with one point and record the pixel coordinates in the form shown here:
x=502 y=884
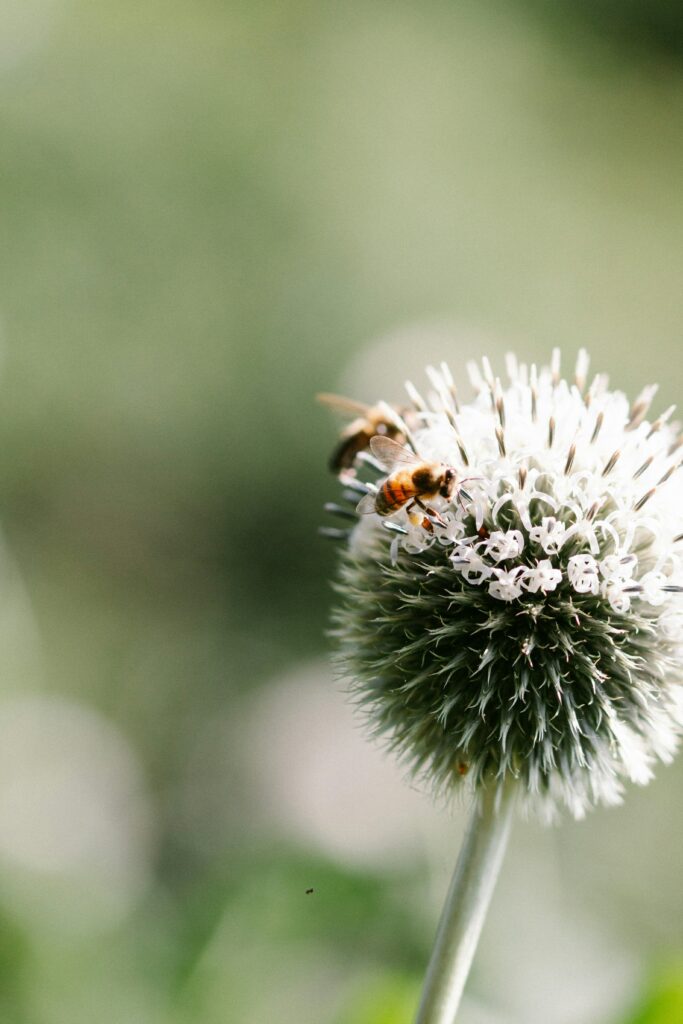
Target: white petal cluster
x=563 y=484
x=582 y=571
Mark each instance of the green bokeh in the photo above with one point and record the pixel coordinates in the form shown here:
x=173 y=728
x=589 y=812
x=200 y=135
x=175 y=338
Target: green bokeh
x=210 y=212
x=663 y=1003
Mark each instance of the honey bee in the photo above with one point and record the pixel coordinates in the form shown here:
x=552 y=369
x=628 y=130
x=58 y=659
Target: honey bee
x=410 y=480
x=367 y=421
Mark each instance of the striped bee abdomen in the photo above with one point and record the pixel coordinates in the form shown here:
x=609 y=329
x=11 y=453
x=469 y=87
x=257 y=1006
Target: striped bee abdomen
x=394 y=493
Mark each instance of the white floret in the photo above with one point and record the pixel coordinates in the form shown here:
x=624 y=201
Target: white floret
x=569 y=467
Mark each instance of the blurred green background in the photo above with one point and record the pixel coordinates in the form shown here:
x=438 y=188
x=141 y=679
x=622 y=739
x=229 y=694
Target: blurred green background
x=210 y=211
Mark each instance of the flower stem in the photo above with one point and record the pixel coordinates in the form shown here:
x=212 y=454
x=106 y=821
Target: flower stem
x=466 y=904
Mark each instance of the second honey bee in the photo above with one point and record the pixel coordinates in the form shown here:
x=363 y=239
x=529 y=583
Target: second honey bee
x=411 y=482
x=366 y=422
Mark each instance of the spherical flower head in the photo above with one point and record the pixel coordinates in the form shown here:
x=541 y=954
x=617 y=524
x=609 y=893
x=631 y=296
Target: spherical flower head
x=526 y=622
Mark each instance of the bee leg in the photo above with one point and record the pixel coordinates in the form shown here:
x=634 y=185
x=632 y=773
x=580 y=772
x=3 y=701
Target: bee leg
x=431 y=512
x=409 y=511
x=424 y=522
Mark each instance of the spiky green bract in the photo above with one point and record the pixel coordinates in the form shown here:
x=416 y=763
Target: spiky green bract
x=556 y=690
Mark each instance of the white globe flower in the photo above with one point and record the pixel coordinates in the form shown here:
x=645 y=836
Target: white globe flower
x=521 y=619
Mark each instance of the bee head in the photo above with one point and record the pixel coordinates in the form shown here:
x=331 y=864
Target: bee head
x=447 y=483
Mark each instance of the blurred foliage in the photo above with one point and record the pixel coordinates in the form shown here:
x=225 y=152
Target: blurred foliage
x=263 y=917
x=390 y=999
x=663 y=1003
x=357 y=912
x=211 y=211
x=641 y=25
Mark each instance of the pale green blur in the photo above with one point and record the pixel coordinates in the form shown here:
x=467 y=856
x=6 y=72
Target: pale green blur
x=211 y=211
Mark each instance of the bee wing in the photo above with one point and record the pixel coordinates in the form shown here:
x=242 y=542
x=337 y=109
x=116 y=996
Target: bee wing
x=347 y=407
x=390 y=453
x=366 y=505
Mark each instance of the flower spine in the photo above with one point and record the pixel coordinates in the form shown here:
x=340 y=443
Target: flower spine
x=531 y=624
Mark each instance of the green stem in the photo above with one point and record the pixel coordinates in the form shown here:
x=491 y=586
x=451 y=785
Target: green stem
x=468 y=899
